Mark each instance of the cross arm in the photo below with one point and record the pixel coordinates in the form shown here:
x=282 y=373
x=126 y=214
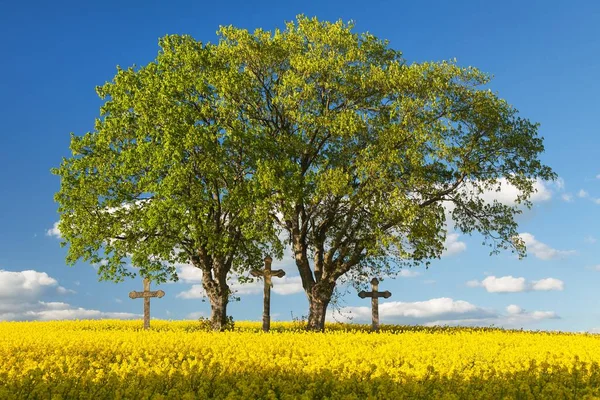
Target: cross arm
x=139 y=295
x=362 y=294
x=257 y=273
x=278 y=273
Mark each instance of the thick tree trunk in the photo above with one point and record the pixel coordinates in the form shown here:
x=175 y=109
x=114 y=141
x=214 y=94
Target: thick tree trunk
x=318 y=300
x=218 y=310
x=214 y=282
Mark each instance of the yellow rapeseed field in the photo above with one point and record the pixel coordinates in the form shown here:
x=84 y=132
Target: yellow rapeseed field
x=118 y=360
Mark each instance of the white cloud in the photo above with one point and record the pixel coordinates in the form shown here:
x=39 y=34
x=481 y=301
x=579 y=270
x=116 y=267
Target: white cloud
x=452 y=245
x=510 y=284
x=255 y=287
x=590 y=239
x=21 y=294
x=287 y=285
x=568 y=197
x=96 y=266
x=598 y=176
x=585 y=195
x=66 y=314
x=515 y=317
x=408 y=273
x=559 y=183
x=195 y=315
x=188 y=273
x=505 y=284
x=514 y=309
x=596 y=267
x=54 y=231
x=542 y=250
x=63 y=290
x=282 y=286
x=548 y=284
x=444 y=311
x=473 y=283
x=420 y=309
x=26 y=284
x=508 y=193
x=195 y=292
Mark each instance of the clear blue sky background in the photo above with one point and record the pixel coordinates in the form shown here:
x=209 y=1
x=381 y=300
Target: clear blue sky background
x=544 y=55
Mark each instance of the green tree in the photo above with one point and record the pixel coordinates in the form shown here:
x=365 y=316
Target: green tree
x=164 y=178
x=366 y=150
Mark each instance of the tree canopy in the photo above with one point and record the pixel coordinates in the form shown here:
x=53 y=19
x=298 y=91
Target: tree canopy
x=368 y=151
x=162 y=179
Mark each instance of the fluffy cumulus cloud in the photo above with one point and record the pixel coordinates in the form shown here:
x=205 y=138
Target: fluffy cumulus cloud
x=404 y=312
x=22 y=294
x=288 y=285
x=445 y=311
x=27 y=284
x=54 y=232
x=514 y=317
x=510 y=284
x=453 y=245
x=548 y=284
x=187 y=273
x=43 y=311
x=508 y=193
x=505 y=284
x=542 y=250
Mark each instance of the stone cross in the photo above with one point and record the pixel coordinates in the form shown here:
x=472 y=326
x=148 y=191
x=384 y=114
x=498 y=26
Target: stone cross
x=374 y=295
x=266 y=274
x=146 y=294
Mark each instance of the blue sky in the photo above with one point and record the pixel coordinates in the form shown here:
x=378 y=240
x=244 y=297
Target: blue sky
x=545 y=58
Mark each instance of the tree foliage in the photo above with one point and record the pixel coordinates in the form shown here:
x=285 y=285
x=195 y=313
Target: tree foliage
x=163 y=180
x=368 y=151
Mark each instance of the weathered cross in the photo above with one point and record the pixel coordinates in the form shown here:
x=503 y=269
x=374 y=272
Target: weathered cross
x=374 y=295
x=266 y=274
x=146 y=294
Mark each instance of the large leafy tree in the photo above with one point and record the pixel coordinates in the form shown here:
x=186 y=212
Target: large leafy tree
x=368 y=151
x=165 y=178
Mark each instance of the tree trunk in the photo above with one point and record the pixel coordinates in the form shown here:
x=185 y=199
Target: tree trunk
x=318 y=300
x=218 y=310
x=214 y=282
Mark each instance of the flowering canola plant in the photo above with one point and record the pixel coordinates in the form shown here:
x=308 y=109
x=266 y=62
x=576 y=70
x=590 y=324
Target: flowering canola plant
x=111 y=359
